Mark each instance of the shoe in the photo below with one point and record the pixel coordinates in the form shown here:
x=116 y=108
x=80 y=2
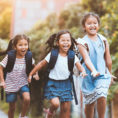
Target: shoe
x=47 y=112
x=23 y=116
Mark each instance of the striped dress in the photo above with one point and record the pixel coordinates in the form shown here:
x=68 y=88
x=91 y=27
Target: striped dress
x=17 y=77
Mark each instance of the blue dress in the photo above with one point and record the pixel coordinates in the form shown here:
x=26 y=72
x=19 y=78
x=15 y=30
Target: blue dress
x=94 y=88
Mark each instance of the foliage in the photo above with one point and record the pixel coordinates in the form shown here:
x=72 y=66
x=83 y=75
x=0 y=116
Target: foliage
x=5 y=18
x=97 y=6
x=70 y=18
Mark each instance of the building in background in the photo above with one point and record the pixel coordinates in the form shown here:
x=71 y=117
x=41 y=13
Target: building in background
x=27 y=12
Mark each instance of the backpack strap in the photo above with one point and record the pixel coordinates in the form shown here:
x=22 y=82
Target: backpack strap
x=11 y=60
x=28 y=60
x=71 y=58
x=53 y=59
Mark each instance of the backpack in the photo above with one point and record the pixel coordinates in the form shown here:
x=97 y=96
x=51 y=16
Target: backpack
x=52 y=62
x=11 y=62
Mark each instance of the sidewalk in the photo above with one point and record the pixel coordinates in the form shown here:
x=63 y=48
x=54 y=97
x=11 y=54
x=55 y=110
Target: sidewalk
x=3 y=115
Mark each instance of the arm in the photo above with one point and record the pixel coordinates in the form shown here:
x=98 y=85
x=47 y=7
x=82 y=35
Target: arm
x=36 y=68
x=81 y=69
x=2 y=82
x=107 y=56
x=108 y=60
x=87 y=60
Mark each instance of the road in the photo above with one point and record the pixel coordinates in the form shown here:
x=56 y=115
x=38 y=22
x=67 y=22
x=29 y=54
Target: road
x=3 y=115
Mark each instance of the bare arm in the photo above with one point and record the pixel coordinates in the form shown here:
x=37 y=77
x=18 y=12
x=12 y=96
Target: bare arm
x=39 y=66
x=2 y=82
x=108 y=57
x=81 y=69
x=87 y=60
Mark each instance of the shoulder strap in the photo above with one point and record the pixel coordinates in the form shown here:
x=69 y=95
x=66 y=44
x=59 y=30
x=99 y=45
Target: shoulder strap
x=11 y=60
x=28 y=59
x=71 y=58
x=53 y=59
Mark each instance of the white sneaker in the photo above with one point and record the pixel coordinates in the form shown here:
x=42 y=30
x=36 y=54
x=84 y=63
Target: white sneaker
x=23 y=116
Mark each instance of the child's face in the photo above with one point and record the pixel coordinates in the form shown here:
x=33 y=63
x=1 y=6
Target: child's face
x=21 y=48
x=64 y=42
x=91 y=25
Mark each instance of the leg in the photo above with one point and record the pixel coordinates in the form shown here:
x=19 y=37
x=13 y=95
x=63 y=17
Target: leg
x=26 y=103
x=11 y=110
x=89 y=110
x=65 y=109
x=101 y=107
x=54 y=106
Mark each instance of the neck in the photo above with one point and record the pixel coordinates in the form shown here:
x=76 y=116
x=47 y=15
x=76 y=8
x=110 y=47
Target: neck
x=92 y=37
x=62 y=53
x=19 y=56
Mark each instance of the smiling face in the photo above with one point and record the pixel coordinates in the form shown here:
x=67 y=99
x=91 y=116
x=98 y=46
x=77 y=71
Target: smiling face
x=64 y=43
x=21 y=48
x=91 y=26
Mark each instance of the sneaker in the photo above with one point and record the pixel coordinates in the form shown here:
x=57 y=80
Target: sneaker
x=47 y=112
x=23 y=116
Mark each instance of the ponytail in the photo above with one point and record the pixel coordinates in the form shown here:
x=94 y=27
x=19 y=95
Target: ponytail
x=51 y=41
x=10 y=47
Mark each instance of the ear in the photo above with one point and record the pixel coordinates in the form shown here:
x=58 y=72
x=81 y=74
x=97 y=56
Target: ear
x=57 y=43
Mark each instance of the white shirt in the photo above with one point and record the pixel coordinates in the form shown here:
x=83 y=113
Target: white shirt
x=60 y=70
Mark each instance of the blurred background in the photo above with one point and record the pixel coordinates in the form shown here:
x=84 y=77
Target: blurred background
x=39 y=19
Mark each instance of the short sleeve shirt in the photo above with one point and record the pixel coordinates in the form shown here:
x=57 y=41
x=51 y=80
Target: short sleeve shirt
x=60 y=70
x=17 y=77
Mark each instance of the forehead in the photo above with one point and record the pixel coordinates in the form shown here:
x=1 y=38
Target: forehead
x=22 y=41
x=67 y=35
x=91 y=18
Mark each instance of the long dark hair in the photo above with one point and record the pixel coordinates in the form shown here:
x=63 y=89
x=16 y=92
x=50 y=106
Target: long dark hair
x=56 y=36
x=10 y=47
x=13 y=42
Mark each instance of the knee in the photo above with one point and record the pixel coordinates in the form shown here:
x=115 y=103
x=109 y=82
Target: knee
x=12 y=108
x=55 y=104
x=26 y=100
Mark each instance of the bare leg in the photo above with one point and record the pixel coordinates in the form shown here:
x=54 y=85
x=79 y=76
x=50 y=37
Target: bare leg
x=54 y=106
x=26 y=103
x=89 y=110
x=11 y=110
x=101 y=107
x=65 y=109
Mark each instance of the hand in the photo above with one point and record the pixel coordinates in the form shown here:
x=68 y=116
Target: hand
x=2 y=84
x=83 y=74
x=95 y=73
x=36 y=77
x=29 y=78
x=114 y=77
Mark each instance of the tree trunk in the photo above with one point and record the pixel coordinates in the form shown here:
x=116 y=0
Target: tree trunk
x=115 y=106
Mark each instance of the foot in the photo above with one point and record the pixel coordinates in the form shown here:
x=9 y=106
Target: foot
x=22 y=116
x=48 y=113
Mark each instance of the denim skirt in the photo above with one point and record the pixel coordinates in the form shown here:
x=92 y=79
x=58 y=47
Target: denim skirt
x=58 y=88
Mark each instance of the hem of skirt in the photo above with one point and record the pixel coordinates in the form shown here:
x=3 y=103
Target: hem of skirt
x=95 y=99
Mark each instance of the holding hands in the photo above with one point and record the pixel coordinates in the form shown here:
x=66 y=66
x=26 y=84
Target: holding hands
x=2 y=84
x=35 y=76
x=95 y=73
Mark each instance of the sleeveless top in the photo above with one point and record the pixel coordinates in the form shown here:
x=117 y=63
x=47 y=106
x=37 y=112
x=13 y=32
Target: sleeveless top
x=96 y=54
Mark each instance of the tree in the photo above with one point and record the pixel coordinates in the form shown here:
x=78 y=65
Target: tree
x=5 y=18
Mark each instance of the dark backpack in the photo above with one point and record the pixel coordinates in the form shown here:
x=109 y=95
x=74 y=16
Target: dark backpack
x=11 y=62
x=52 y=62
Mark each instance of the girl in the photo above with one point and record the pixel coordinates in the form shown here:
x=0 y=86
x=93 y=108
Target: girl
x=16 y=80
x=58 y=88
x=94 y=49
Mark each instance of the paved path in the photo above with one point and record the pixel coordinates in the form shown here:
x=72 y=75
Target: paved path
x=3 y=115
